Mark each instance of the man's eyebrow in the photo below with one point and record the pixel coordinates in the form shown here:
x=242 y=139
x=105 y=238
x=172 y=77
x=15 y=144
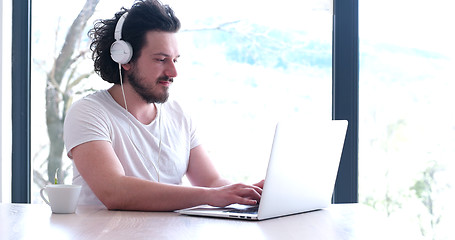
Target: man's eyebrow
x=164 y=55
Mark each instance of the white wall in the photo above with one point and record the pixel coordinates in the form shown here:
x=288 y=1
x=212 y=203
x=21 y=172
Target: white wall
x=5 y=100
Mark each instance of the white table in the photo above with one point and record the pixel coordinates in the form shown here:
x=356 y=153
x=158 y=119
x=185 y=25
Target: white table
x=341 y=221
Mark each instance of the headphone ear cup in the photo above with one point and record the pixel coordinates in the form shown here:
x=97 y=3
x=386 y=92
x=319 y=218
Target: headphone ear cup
x=121 y=52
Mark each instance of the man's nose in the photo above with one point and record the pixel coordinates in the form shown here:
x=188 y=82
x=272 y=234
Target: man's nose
x=171 y=70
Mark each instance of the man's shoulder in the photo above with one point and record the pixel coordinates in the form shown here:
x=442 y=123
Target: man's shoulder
x=95 y=98
x=94 y=102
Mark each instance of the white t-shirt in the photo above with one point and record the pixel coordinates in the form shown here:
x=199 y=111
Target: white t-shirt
x=99 y=117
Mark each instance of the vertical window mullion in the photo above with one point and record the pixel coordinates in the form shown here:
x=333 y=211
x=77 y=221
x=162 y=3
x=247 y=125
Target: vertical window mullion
x=21 y=170
x=346 y=95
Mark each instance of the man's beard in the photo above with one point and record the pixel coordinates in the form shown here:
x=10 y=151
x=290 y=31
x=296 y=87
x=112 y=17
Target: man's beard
x=145 y=92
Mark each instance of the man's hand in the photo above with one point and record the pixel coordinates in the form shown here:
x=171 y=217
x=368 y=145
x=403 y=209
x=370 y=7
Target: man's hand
x=234 y=193
x=260 y=184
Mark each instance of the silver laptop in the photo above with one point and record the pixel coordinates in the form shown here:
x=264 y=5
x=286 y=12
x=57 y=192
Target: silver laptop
x=300 y=176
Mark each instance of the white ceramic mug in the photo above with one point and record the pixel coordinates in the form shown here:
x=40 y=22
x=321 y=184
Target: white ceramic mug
x=62 y=198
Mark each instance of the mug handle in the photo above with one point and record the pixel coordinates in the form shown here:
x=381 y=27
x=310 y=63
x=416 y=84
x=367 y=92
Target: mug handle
x=42 y=196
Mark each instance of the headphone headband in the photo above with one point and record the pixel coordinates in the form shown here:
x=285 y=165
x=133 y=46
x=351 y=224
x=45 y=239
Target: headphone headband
x=121 y=51
x=119 y=26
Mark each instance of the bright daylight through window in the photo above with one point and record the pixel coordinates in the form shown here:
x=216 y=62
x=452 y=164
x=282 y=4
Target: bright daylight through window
x=407 y=121
x=243 y=65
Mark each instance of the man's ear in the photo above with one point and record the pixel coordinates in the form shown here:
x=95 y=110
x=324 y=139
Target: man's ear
x=126 y=66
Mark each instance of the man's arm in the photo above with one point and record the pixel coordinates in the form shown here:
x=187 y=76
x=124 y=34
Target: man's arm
x=202 y=172
x=98 y=164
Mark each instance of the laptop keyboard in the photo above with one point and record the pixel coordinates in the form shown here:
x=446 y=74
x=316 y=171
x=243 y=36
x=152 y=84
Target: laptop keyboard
x=249 y=210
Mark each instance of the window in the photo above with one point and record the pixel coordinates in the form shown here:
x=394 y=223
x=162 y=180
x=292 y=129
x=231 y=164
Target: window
x=407 y=121
x=240 y=71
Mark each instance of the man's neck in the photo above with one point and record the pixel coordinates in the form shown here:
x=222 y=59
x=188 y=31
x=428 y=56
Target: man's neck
x=144 y=112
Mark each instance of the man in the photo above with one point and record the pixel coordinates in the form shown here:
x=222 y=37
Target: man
x=130 y=146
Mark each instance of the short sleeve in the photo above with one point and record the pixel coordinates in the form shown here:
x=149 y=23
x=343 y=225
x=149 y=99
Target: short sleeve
x=85 y=121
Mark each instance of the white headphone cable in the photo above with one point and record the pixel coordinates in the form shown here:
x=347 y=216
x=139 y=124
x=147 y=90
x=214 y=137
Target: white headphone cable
x=121 y=85
x=159 y=145
x=159 y=126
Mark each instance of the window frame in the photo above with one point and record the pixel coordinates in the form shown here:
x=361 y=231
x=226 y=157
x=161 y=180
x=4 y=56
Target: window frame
x=345 y=96
x=20 y=97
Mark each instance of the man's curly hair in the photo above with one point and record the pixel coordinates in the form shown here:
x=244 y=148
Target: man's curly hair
x=143 y=16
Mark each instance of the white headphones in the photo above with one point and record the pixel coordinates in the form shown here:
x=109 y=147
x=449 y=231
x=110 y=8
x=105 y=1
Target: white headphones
x=121 y=51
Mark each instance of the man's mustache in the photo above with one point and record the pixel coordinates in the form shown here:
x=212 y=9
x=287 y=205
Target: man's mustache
x=165 y=78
